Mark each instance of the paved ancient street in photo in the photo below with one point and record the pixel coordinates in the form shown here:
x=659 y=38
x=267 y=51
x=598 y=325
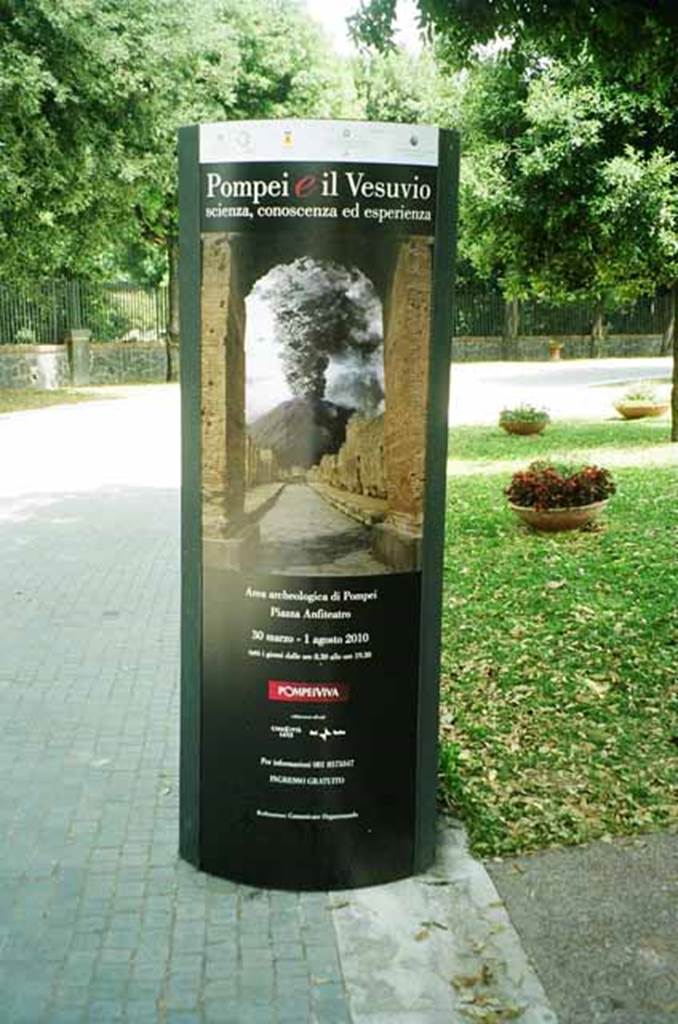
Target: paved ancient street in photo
x=302 y=534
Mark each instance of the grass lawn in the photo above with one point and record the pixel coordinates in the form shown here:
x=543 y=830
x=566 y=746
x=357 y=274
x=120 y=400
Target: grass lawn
x=560 y=652
x=17 y=399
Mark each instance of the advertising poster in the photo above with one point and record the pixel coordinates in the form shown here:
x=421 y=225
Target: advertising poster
x=310 y=416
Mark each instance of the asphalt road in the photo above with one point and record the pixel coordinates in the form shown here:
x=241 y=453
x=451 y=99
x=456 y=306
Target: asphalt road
x=599 y=924
x=574 y=389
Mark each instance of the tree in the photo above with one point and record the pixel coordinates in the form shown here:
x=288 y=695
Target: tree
x=629 y=46
x=570 y=188
x=563 y=196
x=75 y=86
x=637 y=33
x=92 y=93
x=411 y=88
x=242 y=59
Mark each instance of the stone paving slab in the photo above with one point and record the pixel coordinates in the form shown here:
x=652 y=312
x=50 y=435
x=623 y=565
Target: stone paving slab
x=301 y=534
x=436 y=947
x=99 y=919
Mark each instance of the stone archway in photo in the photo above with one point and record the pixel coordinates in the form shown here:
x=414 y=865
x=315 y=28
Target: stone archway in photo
x=401 y=274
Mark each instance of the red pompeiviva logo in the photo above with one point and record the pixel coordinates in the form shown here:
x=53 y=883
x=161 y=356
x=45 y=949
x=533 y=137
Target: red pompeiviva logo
x=308 y=693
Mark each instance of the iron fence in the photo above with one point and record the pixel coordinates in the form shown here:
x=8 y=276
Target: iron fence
x=43 y=313
x=481 y=312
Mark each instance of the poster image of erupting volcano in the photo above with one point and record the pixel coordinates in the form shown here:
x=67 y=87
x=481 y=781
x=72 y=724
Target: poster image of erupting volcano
x=315 y=360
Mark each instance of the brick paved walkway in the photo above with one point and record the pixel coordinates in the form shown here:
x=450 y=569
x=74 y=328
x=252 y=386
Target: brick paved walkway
x=99 y=920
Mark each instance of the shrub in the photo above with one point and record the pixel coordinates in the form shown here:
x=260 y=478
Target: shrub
x=107 y=320
x=524 y=414
x=543 y=486
x=640 y=392
x=25 y=336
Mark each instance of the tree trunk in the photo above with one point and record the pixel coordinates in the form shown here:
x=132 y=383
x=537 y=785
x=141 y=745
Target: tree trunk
x=173 y=329
x=674 y=389
x=669 y=334
x=511 y=326
x=598 y=331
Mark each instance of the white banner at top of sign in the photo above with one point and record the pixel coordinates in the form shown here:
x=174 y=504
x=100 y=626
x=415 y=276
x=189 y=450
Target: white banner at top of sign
x=318 y=141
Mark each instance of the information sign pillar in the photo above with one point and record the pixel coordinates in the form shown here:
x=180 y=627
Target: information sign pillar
x=316 y=283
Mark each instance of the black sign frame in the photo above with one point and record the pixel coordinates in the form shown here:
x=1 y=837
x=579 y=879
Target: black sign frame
x=192 y=839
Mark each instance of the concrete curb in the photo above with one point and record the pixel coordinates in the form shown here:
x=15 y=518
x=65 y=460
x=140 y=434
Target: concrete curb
x=436 y=949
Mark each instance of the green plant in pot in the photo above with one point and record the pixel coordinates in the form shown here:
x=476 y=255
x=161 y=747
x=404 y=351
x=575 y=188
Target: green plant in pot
x=556 y=497
x=523 y=419
x=640 y=401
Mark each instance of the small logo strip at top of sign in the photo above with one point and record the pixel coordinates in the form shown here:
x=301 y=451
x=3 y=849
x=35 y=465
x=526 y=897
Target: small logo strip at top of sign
x=308 y=693
x=326 y=141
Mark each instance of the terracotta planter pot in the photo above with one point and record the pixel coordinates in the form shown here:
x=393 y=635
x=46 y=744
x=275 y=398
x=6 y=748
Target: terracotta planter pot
x=639 y=410
x=523 y=427
x=552 y=520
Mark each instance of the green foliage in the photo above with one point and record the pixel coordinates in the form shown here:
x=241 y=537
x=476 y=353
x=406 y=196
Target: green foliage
x=524 y=414
x=636 y=207
x=106 y=317
x=284 y=66
x=638 y=34
x=409 y=88
x=25 y=336
x=372 y=25
x=640 y=393
x=92 y=93
x=563 y=195
x=558 y=708
x=74 y=84
x=570 y=139
x=239 y=60
x=544 y=485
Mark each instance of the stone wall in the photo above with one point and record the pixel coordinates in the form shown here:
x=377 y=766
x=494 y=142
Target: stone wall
x=466 y=349
x=262 y=465
x=48 y=367
x=124 y=362
x=222 y=369
x=407 y=320
x=34 y=366
x=358 y=466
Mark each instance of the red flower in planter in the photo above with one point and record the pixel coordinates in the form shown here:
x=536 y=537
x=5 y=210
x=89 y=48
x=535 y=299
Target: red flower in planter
x=542 y=486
